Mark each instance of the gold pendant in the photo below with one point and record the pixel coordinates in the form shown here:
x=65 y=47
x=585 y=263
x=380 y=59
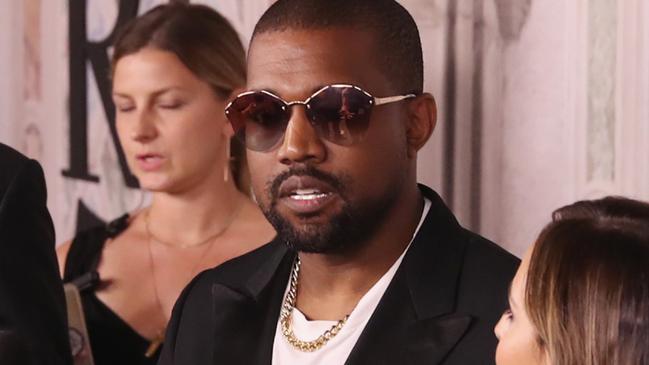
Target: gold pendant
x=155 y=344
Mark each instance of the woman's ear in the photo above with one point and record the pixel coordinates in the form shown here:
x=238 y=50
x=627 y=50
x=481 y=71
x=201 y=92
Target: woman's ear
x=422 y=118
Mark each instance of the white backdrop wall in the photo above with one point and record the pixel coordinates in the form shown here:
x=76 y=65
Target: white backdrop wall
x=542 y=102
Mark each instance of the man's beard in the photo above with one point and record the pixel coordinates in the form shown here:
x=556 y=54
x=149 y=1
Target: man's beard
x=354 y=224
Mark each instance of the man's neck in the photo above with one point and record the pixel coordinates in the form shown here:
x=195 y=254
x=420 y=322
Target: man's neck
x=330 y=285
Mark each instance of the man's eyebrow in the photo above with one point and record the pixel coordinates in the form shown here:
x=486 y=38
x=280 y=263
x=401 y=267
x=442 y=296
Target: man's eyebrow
x=311 y=92
x=268 y=89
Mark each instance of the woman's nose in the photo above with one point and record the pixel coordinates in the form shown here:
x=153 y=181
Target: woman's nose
x=144 y=128
x=498 y=329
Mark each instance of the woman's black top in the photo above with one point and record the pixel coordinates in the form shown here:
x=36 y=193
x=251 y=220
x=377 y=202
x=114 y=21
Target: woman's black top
x=112 y=340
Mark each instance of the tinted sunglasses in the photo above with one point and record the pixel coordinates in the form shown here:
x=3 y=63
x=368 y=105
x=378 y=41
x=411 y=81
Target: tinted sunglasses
x=338 y=113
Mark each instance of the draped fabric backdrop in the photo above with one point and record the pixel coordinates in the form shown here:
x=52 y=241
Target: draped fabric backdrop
x=540 y=103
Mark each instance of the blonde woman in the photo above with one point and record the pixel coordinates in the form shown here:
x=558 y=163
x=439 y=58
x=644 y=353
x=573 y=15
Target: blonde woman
x=581 y=295
x=173 y=69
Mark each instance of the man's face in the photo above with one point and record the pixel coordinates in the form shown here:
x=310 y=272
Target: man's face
x=320 y=196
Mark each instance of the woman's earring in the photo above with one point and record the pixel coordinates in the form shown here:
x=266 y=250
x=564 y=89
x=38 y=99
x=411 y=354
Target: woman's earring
x=226 y=167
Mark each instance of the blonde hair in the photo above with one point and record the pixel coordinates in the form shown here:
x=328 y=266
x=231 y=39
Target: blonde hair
x=587 y=289
x=206 y=44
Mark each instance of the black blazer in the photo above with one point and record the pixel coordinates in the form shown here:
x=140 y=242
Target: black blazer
x=32 y=304
x=440 y=307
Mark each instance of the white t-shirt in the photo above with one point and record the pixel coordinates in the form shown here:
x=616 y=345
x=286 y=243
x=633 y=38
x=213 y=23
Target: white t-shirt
x=338 y=348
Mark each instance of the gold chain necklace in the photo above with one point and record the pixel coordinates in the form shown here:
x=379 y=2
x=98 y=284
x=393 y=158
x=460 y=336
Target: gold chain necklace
x=286 y=314
x=157 y=341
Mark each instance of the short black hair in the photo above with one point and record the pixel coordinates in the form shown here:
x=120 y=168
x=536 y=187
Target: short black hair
x=397 y=43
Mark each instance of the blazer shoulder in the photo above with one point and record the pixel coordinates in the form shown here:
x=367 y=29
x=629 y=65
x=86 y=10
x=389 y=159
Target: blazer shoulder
x=9 y=155
x=493 y=253
x=488 y=270
x=492 y=258
x=237 y=271
x=13 y=165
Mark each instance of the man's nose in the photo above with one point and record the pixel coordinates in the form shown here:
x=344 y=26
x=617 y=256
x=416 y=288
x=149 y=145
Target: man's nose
x=301 y=142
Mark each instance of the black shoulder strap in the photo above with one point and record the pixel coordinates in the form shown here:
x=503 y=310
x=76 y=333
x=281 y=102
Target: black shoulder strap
x=85 y=253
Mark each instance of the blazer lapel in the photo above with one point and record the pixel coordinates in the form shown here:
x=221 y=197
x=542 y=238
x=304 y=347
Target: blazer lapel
x=415 y=321
x=247 y=316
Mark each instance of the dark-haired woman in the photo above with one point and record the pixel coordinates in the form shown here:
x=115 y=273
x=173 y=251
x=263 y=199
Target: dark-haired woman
x=173 y=69
x=581 y=294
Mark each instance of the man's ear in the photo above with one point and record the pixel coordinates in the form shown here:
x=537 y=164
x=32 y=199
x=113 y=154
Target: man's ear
x=422 y=118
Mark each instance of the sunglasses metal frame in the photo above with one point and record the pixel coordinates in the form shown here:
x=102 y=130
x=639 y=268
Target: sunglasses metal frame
x=374 y=101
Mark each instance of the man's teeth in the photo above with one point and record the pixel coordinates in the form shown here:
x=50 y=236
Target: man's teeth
x=307 y=194
x=306 y=191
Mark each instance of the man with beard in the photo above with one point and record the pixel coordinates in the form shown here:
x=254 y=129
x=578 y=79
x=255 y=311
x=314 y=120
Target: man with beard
x=368 y=267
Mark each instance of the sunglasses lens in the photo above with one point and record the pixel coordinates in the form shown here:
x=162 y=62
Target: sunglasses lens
x=340 y=114
x=259 y=120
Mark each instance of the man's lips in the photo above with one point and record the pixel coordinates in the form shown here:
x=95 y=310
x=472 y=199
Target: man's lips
x=305 y=194
x=149 y=161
